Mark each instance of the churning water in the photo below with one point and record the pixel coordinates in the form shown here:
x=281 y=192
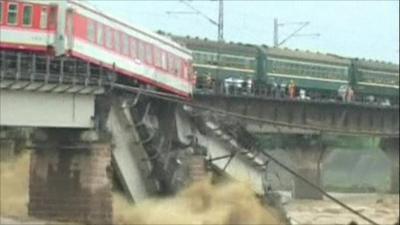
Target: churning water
x=201 y=203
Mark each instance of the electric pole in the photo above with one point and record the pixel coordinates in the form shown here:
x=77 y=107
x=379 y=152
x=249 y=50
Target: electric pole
x=220 y=38
x=276 y=38
x=221 y=21
x=295 y=33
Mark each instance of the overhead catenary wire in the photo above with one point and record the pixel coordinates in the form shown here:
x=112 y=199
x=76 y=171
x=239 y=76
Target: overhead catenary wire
x=174 y=98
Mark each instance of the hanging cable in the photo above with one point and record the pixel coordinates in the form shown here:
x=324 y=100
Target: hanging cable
x=174 y=98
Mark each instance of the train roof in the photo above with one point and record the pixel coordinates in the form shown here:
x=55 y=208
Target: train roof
x=196 y=43
x=305 y=55
x=250 y=50
x=378 y=65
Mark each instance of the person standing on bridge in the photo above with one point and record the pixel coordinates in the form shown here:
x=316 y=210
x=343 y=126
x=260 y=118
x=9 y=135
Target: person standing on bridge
x=350 y=94
x=274 y=89
x=209 y=82
x=292 y=89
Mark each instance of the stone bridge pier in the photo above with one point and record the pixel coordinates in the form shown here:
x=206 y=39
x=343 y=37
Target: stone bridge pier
x=307 y=152
x=70 y=177
x=391 y=147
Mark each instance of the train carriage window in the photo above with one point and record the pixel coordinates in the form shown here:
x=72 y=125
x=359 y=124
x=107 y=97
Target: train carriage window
x=185 y=70
x=1 y=12
x=149 y=54
x=178 y=67
x=157 y=57
x=52 y=15
x=171 y=64
x=133 y=48
x=163 y=60
x=43 y=18
x=125 y=44
x=100 y=34
x=109 y=33
x=117 y=41
x=27 y=19
x=141 y=54
x=12 y=14
x=91 y=31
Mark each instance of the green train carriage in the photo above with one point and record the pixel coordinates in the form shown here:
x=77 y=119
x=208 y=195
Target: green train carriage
x=221 y=60
x=379 y=79
x=321 y=75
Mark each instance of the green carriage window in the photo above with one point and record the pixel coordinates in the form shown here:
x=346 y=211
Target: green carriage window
x=12 y=14
x=27 y=19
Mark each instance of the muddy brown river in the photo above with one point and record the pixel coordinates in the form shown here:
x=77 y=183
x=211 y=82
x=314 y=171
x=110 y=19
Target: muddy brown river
x=381 y=208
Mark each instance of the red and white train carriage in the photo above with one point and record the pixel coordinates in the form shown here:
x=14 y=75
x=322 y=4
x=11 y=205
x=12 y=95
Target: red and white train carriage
x=76 y=29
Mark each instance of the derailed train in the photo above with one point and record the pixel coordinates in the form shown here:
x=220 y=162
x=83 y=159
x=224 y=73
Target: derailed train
x=75 y=29
x=321 y=75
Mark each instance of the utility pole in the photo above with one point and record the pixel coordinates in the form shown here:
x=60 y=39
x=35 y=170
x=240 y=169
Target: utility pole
x=221 y=21
x=219 y=24
x=295 y=33
x=276 y=38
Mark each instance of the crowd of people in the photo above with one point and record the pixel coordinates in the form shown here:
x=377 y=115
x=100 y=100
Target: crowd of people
x=233 y=86
x=278 y=89
x=346 y=93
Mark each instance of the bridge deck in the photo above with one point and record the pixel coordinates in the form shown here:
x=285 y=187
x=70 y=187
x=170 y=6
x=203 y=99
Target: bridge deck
x=269 y=115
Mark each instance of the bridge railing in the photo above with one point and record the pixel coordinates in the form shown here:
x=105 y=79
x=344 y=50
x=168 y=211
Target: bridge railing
x=264 y=91
x=21 y=66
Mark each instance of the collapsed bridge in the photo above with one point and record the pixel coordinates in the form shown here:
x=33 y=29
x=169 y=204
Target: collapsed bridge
x=83 y=120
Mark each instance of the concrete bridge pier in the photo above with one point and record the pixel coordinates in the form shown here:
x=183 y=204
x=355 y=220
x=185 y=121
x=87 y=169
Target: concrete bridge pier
x=391 y=147
x=70 y=177
x=12 y=141
x=307 y=152
x=7 y=148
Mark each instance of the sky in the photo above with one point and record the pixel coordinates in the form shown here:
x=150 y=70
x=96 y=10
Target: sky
x=363 y=29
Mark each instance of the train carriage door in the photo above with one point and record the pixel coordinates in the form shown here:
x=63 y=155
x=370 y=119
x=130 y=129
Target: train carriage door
x=52 y=26
x=44 y=23
x=57 y=25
